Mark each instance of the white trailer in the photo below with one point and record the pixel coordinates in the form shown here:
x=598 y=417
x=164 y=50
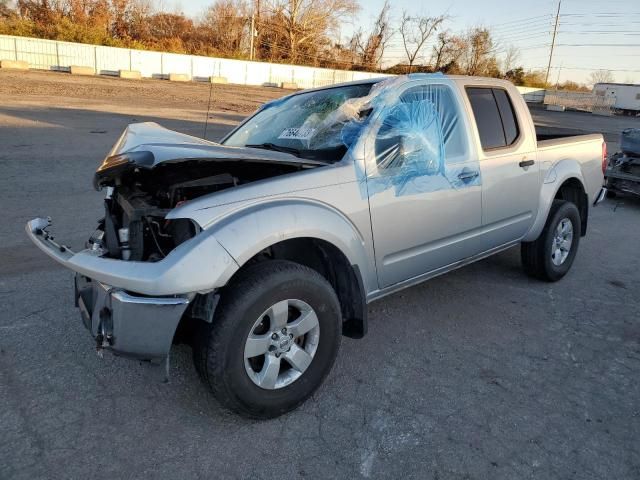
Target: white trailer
x=626 y=95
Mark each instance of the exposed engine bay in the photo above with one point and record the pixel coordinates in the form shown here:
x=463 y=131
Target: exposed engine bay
x=145 y=182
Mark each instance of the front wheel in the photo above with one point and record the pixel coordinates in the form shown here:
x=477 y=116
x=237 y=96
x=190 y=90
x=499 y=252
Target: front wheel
x=550 y=256
x=274 y=339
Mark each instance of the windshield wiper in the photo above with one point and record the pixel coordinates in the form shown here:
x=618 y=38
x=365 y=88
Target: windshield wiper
x=276 y=148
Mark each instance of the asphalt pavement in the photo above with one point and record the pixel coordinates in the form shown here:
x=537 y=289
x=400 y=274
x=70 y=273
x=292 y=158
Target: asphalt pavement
x=481 y=373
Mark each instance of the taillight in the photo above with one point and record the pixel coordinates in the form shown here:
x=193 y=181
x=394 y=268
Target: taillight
x=604 y=156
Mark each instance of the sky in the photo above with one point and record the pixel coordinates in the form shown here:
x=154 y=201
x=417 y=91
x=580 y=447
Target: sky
x=592 y=34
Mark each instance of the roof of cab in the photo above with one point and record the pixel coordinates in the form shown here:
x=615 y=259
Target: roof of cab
x=459 y=79
x=464 y=79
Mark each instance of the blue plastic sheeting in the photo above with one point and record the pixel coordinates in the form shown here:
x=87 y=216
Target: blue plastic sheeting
x=418 y=129
x=408 y=129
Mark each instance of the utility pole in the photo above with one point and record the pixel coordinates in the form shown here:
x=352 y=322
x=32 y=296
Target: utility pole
x=553 y=42
x=558 y=78
x=252 y=34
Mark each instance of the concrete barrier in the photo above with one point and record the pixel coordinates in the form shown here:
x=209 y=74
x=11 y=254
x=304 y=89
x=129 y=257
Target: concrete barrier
x=14 y=64
x=289 y=85
x=81 y=70
x=218 y=79
x=179 y=77
x=130 y=74
x=55 y=55
x=556 y=108
x=603 y=111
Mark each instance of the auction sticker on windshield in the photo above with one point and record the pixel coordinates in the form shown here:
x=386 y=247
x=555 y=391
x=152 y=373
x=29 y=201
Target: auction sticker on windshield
x=297 y=133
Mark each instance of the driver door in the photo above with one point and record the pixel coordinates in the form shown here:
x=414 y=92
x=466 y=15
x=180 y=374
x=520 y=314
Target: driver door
x=424 y=185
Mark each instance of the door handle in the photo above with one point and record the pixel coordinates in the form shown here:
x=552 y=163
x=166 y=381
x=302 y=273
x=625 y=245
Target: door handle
x=526 y=163
x=467 y=175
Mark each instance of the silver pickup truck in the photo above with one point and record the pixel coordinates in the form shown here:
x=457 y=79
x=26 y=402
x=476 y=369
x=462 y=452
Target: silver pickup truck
x=264 y=249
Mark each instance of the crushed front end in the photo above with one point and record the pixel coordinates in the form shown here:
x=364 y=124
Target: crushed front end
x=126 y=323
x=141 y=273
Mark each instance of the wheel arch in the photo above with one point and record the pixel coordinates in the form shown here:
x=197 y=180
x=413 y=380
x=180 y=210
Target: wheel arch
x=572 y=190
x=564 y=181
x=310 y=233
x=330 y=262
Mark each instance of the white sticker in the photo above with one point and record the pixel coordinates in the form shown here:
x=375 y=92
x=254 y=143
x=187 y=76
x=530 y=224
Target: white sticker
x=297 y=133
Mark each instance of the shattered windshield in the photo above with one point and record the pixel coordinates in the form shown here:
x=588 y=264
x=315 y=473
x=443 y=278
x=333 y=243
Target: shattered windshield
x=309 y=125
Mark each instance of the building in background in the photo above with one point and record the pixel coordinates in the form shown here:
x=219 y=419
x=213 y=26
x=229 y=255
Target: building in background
x=626 y=95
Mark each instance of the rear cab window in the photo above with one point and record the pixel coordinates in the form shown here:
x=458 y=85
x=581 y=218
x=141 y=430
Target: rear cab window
x=494 y=116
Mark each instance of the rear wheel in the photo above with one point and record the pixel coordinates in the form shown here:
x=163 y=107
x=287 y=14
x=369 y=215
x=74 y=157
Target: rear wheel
x=273 y=340
x=550 y=256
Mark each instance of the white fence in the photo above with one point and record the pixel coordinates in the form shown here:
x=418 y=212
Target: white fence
x=585 y=101
x=531 y=94
x=55 y=55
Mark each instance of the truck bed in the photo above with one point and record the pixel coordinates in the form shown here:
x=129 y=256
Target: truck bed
x=585 y=149
x=544 y=133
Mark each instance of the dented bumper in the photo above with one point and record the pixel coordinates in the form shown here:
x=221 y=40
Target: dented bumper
x=127 y=324
x=134 y=308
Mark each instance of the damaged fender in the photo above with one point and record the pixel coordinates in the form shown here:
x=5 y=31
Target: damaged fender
x=199 y=264
x=247 y=231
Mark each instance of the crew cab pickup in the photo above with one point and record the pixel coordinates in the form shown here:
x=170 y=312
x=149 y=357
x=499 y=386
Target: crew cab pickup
x=264 y=249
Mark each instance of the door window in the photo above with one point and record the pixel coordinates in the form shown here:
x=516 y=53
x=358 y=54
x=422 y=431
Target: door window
x=422 y=132
x=507 y=115
x=494 y=116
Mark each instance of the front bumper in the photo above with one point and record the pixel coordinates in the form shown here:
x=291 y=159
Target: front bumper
x=140 y=324
x=127 y=324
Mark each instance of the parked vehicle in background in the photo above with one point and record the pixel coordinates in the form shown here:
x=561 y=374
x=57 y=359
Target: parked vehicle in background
x=265 y=249
x=626 y=95
x=623 y=170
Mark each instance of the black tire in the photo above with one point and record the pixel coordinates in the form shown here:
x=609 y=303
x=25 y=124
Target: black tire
x=536 y=255
x=219 y=346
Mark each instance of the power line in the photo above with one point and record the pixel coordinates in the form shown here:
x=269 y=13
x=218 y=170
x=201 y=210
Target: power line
x=625 y=23
x=623 y=45
x=521 y=20
x=516 y=28
x=600 y=32
x=601 y=15
x=524 y=37
x=593 y=68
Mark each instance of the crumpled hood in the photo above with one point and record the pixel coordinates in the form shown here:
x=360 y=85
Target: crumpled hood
x=146 y=145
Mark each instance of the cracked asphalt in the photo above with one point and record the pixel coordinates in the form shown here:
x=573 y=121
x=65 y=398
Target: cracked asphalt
x=481 y=373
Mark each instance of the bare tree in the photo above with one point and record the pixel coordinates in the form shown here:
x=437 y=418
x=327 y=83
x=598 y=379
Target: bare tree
x=510 y=59
x=415 y=31
x=5 y=9
x=447 y=51
x=477 y=59
x=601 y=76
x=369 y=52
x=225 y=23
x=306 y=25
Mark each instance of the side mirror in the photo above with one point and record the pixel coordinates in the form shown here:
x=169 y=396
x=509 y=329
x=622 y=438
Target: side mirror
x=410 y=136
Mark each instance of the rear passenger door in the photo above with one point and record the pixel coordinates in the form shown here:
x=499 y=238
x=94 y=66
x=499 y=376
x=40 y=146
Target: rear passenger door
x=507 y=153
